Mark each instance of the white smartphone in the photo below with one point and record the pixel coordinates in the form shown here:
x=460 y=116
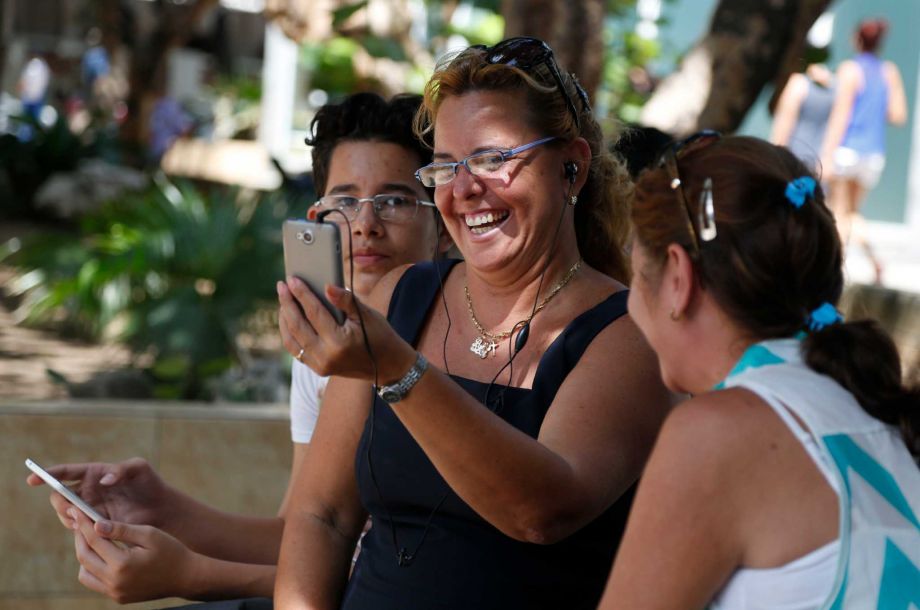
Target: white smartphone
x=62 y=489
x=313 y=253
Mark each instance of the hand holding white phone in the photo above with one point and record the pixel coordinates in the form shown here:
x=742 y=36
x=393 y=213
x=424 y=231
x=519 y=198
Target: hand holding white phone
x=65 y=491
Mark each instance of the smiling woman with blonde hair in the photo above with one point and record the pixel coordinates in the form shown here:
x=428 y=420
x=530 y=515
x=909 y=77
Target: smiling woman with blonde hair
x=495 y=423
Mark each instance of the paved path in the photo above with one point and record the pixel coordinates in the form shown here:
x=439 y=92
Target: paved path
x=26 y=353
x=898 y=247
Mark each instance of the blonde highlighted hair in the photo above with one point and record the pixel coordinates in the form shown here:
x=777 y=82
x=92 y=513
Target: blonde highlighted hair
x=602 y=213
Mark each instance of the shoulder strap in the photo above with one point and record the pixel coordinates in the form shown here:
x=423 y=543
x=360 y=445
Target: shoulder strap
x=564 y=353
x=414 y=295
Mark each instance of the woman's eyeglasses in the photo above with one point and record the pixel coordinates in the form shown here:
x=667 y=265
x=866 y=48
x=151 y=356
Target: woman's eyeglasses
x=526 y=53
x=389 y=208
x=484 y=163
x=706 y=214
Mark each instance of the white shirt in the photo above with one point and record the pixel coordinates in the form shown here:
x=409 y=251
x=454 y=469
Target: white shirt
x=307 y=390
x=34 y=80
x=876 y=559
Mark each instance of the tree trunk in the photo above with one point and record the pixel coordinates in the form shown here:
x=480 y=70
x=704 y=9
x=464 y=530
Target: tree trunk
x=749 y=43
x=148 y=67
x=312 y=20
x=574 y=30
x=7 y=17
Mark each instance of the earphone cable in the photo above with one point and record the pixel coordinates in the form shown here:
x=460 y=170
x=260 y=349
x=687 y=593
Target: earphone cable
x=403 y=557
x=513 y=352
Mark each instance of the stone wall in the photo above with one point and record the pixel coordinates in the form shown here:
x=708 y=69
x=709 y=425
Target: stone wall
x=236 y=458
x=898 y=312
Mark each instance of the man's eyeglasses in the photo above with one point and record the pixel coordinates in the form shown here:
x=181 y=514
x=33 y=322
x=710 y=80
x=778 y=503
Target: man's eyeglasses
x=706 y=211
x=484 y=163
x=525 y=53
x=389 y=208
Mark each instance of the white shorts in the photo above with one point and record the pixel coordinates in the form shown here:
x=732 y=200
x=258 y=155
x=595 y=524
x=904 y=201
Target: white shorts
x=864 y=168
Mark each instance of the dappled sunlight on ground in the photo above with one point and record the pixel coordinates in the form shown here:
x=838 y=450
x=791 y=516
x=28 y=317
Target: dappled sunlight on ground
x=26 y=354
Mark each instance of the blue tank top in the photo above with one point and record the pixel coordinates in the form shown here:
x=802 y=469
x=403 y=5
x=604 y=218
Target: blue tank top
x=465 y=562
x=869 y=117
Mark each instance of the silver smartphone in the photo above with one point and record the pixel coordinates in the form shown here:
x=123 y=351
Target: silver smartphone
x=313 y=253
x=65 y=491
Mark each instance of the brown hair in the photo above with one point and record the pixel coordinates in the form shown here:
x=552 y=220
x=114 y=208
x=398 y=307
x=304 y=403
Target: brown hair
x=363 y=117
x=772 y=263
x=601 y=216
x=870 y=33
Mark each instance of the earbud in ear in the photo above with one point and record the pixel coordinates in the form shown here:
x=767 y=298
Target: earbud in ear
x=571 y=170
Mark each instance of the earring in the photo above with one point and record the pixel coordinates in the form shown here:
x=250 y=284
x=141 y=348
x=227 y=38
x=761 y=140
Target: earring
x=674 y=316
x=573 y=199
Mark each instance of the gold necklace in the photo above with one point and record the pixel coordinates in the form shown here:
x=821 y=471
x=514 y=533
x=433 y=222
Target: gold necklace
x=487 y=343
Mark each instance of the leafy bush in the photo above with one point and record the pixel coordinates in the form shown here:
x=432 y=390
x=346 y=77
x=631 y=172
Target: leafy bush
x=26 y=165
x=173 y=272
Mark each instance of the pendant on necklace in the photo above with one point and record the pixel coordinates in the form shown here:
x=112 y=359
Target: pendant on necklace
x=482 y=347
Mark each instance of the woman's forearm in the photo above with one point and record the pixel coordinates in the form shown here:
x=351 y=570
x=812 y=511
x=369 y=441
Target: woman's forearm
x=541 y=490
x=314 y=564
x=518 y=491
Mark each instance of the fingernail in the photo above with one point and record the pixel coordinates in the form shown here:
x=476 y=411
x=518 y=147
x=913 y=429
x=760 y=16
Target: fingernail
x=107 y=479
x=72 y=513
x=105 y=527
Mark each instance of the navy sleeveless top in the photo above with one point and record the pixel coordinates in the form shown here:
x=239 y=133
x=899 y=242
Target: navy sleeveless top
x=464 y=562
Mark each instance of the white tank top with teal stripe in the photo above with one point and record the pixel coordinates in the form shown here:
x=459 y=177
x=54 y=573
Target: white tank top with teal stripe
x=875 y=563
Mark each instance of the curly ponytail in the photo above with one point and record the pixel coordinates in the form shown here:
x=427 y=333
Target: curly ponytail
x=863 y=359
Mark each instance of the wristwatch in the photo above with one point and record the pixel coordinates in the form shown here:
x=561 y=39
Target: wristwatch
x=397 y=391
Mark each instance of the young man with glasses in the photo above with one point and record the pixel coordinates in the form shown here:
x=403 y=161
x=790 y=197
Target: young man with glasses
x=364 y=158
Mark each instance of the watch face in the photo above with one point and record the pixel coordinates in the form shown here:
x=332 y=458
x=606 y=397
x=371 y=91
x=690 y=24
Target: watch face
x=390 y=395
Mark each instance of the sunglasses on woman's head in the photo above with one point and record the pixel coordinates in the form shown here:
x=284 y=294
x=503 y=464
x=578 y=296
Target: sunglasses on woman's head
x=526 y=53
x=706 y=212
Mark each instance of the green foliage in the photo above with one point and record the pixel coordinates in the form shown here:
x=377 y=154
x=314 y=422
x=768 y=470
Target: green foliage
x=625 y=87
x=330 y=65
x=239 y=87
x=174 y=272
x=24 y=166
x=341 y=15
x=624 y=72
x=383 y=47
x=488 y=29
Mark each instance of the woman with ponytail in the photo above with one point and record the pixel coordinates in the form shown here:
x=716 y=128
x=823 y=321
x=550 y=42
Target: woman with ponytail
x=869 y=95
x=790 y=478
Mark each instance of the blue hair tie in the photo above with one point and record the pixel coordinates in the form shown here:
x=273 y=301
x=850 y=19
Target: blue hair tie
x=798 y=190
x=822 y=316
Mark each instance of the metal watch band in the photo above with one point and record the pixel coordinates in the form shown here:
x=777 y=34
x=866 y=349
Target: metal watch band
x=397 y=391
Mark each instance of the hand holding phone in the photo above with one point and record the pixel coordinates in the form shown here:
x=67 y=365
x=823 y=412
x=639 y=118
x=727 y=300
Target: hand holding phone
x=313 y=253
x=65 y=491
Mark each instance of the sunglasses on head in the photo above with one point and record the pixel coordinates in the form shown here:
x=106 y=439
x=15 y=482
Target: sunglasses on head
x=526 y=53
x=706 y=211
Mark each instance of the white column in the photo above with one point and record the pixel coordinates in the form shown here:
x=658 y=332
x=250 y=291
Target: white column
x=912 y=211
x=279 y=76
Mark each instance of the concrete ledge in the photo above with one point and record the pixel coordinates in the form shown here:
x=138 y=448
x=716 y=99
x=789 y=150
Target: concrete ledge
x=236 y=458
x=150 y=409
x=897 y=311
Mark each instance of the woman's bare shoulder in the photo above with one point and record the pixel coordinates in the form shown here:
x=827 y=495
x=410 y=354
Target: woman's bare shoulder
x=734 y=426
